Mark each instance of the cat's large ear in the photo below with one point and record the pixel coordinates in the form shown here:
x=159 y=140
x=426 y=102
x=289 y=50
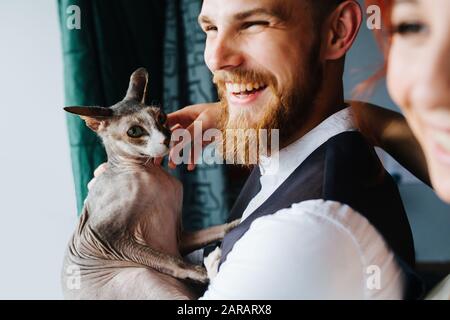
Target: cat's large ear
x=96 y=118
x=137 y=89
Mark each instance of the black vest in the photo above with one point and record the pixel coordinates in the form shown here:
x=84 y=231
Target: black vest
x=344 y=169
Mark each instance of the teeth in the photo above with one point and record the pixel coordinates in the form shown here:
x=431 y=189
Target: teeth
x=443 y=139
x=242 y=87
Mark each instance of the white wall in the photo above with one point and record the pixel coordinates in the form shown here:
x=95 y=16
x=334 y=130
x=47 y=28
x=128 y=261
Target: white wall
x=37 y=201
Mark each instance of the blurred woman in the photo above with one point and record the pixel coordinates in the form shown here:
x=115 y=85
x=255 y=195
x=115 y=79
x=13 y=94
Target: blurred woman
x=416 y=41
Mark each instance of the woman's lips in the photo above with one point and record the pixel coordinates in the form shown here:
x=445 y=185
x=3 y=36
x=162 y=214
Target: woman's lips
x=442 y=145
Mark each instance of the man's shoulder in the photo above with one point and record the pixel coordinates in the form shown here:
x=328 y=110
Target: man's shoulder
x=353 y=174
x=350 y=151
x=352 y=170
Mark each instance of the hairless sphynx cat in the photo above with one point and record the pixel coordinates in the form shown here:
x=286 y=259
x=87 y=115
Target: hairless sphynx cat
x=129 y=241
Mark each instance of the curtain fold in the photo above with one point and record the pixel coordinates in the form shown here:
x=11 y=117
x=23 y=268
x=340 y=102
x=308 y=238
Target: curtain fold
x=117 y=37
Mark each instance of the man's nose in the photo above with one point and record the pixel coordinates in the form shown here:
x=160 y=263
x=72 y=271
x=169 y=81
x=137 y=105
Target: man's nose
x=223 y=53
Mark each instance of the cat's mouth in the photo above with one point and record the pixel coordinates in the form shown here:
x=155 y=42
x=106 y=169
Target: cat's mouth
x=162 y=151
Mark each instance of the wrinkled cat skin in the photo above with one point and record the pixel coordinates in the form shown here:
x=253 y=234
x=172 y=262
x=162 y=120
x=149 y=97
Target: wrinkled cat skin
x=129 y=240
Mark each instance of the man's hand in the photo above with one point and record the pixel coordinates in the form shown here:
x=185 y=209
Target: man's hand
x=101 y=169
x=208 y=114
x=373 y=121
x=389 y=130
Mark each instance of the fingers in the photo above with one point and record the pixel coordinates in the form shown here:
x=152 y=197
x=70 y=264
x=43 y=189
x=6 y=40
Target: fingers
x=101 y=169
x=176 y=127
x=178 y=146
x=185 y=116
x=207 y=115
x=194 y=151
x=158 y=161
x=189 y=114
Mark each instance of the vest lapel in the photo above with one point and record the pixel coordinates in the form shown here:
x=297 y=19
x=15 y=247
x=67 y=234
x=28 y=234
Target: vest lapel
x=249 y=191
x=305 y=183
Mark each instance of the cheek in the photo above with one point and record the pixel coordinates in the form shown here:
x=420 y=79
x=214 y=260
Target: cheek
x=400 y=82
x=279 y=55
x=207 y=54
x=130 y=148
x=156 y=137
x=134 y=145
x=397 y=78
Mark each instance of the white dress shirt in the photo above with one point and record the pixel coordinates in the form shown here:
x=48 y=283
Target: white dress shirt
x=313 y=250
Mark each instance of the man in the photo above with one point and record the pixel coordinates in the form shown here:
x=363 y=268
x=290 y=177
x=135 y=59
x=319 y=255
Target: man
x=328 y=222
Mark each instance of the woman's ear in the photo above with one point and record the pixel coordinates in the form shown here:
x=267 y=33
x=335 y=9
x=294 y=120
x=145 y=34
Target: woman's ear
x=342 y=29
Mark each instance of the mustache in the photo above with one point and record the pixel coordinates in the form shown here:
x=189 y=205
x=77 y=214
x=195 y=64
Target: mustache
x=244 y=76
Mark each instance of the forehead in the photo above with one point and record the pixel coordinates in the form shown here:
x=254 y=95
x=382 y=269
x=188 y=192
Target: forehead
x=439 y=6
x=235 y=9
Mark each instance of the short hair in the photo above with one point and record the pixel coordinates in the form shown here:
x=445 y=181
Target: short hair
x=322 y=8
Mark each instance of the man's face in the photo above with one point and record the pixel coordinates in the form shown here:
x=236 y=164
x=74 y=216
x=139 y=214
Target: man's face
x=264 y=55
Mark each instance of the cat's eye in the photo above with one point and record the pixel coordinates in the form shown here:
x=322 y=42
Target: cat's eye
x=136 y=132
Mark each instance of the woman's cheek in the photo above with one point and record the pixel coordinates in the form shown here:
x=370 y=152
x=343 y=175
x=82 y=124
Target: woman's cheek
x=397 y=79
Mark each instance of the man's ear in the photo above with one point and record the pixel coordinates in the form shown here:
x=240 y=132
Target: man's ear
x=96 y=118
x=137 y=89
x=343 y=26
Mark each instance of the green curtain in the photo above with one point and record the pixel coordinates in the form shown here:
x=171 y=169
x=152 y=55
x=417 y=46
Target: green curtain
x=117 y=37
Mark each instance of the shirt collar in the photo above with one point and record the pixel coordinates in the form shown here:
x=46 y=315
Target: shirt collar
x=294 y=154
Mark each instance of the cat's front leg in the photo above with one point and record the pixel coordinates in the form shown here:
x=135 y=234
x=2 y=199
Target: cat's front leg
x=190 y=241
x=211 y=263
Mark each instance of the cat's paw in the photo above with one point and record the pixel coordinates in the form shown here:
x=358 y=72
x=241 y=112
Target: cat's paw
x=233 y=224
x=211 y=263
x=198 y=274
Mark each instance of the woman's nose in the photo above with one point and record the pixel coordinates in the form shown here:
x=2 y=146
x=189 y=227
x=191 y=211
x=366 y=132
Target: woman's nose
x=432 y=87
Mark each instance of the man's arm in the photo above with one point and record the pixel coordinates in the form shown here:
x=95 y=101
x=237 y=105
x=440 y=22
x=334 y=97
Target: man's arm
x=208 y=114
x=304 y=252
x=390 y=131
x=383 y=128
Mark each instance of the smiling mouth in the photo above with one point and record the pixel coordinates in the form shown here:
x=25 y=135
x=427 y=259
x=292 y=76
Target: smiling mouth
x=244 y=90
x=441 y=145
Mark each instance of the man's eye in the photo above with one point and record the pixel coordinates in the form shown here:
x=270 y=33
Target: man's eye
x=250 y=24
x=136 y=132
x=408 y=28
x=210 y=28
